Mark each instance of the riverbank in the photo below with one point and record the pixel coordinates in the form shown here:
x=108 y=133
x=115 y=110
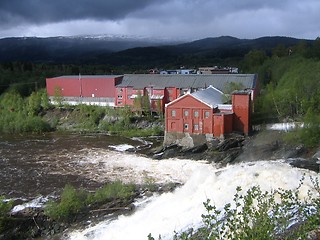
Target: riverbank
x=121 y=122
x=261 y=145
x=31 y=222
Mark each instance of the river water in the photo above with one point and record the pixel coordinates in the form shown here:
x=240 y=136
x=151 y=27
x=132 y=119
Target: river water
x=33 y=166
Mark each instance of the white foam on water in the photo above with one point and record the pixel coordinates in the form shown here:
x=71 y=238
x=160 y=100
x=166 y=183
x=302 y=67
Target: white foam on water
x=284 y=126
x=182 y=209
x=104 y=165
x=35 y=203
x=121 y=147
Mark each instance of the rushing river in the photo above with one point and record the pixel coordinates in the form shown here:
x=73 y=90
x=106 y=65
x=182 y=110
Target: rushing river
x=41 y=165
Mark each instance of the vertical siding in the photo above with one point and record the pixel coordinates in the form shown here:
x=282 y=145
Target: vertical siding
x=70 y=87
x=241 y=108
x=98 y=87
x=83 y=86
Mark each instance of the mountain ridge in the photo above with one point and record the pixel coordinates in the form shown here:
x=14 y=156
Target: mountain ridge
x=121 y=49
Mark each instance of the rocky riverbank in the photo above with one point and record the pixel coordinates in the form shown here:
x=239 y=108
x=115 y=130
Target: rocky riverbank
x=262 y=145
x=33 y=223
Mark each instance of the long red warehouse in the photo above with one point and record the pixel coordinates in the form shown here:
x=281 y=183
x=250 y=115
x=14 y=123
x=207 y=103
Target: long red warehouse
x=93 y=86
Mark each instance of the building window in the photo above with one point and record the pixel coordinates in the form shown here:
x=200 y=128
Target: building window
x=170 y=99
x=170 y=91
x=119 y=102
x=119 y=96
x=196 y=127
x=206 y=114
x=120 y=90
x=196 y=114
x=173 y=113
x=186 y=113
x=186 y=126
x=129 y=90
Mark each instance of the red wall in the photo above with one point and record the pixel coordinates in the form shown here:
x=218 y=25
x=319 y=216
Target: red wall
x=83 y=86
x=69 y=86
x=98 y=87
x=222 y=124
x=197 y=123
x=241 y=107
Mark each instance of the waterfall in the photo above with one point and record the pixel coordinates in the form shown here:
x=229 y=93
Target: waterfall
x=182 y=209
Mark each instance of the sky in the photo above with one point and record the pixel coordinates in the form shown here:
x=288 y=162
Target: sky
x=173 y=19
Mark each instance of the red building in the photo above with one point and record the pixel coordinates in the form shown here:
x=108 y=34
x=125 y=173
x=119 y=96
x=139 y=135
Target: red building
x=164 y=88
x=92 y=89
x=203 y=113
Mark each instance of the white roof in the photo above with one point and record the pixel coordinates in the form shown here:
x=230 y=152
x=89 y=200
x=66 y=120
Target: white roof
x=209 y=96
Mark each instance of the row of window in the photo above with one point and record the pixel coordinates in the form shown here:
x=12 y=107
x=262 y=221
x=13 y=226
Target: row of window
x=186 y=113
x=120 y=97
x=195 y=126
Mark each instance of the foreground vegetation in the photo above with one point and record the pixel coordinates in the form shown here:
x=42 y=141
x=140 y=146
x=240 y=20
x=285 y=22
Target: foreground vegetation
x=257 y=214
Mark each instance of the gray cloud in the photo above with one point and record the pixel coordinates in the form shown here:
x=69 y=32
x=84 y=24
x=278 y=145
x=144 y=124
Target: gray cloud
x=169 y=18
x=39 y=11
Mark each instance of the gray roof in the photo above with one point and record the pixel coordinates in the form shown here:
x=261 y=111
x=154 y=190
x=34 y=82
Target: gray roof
x=210 y=96
x=89 y=76
x=161 y=81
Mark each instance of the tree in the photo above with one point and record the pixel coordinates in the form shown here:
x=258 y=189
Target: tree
x=253 y=59
x=231 y=87
x=34 y=104
x=280 y=51
x=137 y=103
x=58 y=99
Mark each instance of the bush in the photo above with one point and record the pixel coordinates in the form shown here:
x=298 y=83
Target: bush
x=71 y=203
x=90 y=116
x=19 y=116
x=309 y=134
x=5 y=207
x=278 y=214
x=74 y=201
x=112 y=191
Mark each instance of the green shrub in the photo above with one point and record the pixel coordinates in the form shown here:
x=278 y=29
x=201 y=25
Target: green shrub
x=112 y=191
x=5 y=207
x=71 y=203
x=309 y=134
x=260 y=215
x=90 y=116
x=74 y=201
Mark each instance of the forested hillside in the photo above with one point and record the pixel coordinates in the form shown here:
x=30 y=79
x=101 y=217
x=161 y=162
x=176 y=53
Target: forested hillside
x=290 y=87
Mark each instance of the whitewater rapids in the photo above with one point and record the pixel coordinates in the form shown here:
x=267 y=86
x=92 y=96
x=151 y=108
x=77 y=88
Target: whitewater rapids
x=180 y=210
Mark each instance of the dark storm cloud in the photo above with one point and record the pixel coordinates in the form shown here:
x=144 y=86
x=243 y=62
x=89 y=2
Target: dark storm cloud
x=168 y=18
x=42 y=11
